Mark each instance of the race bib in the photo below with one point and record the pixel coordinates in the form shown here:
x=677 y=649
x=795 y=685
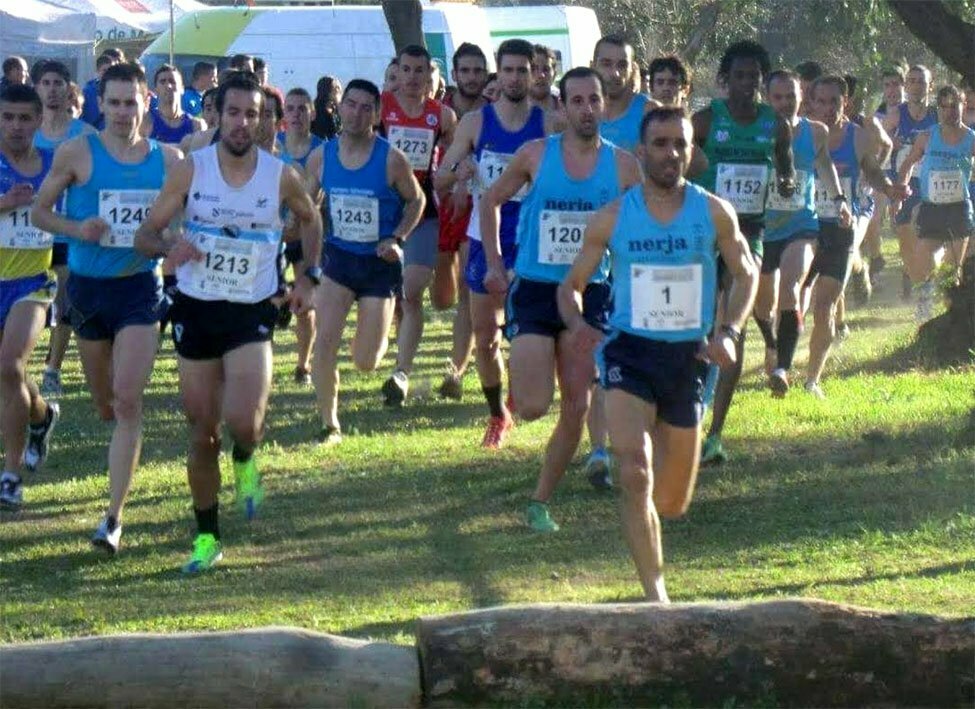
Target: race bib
x=946 y=186
x=826 y=207
x=16 y=231
x=665 y=298
x=228 y=269
x=416 y=144
x=560 y=236
x=787 y=204
x=742 y=185
x=491 y=166
x=124 y=211
x=354 y=218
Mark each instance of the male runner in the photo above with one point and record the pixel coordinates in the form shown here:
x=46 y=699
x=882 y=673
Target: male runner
x=90 y=111
x=854 y=152
x=808 y=72
x=483 y=146
x=670 y=80
x=662 y=237
x=51 y=79
x=222 y=315
x=169 y=123
x=110 y=179
x=27 y=287
x=792 y=227
x=944 y=220
x=470 y=76
x=415 y=125
x=543 y=77
x=742 y=139
x=203 y=79
x=625 y=108
x=374 y=202
x=904 y=125
x=570 y=176
x=15 y=72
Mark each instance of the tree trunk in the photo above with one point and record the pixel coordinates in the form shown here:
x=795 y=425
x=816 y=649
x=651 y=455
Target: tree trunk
x=949 y=339
x=943 y=32
x=405 y=20
x=798 y=653
x=707 y=20
x=250 y=668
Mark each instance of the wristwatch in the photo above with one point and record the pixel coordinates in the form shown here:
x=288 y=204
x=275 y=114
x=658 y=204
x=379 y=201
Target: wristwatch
x=400 y=241
x=732 y=332
x=839 y=198
x=314 y=274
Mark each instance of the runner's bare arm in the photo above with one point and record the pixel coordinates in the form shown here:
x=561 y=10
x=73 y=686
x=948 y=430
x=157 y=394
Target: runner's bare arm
x=701 y=121
x=735 y=253
x=913 y=157
x=448 y=125
x=518 y=173
x=402 y=179
x=61 y=175
x=885 y=146
x=628 y=168
x=308 y=220
x=784 y=165
x=595 y=241
x=313 y=173
x=825 y=168
x=151 y=239
x=455 y=164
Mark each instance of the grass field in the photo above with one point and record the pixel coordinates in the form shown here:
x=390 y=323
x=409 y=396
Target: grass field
x=864 y=498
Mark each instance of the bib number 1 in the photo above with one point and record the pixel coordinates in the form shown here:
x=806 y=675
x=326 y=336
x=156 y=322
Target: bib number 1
x=665 y=298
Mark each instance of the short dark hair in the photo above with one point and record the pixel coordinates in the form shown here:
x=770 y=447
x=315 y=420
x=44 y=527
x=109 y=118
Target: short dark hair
x=921 y=68
x=547 y=52
x=13 y=61
x=671 y=63
x=415 y=51
x=393 y=62
x=299 y=91
x=617 y=40
x=212 y=91
x=894 y=72
x=239 y=60
x=469 y=50
x=164 y=68
x=272 y=92
x=851 y=83
x=115 y=53
x=238 y=81
x=22 y=93
x=745 y=49
x=661 y=114
x=948 y=91
x=201 y=68
x=579 y=72
x=49 y=66
x=833 y=80
x=362 y=85
x=105 y=60
x=259 y=63
x=123 y=71
x=517 y=47
x=809 y=70
x=783 y=74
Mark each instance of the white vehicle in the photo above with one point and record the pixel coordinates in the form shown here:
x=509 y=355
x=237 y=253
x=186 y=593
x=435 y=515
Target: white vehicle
x=571 y=31
x=302 y=44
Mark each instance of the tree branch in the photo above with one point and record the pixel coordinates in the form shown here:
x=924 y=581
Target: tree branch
x=950 y=37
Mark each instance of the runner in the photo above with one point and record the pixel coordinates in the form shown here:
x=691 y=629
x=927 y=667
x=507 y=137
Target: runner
x=743 y=139
x=90 y=112
x=51 y=79
x=483 y=146
x=543 y=77
x=808 y=72
x=27 y=287
x=613 y=61
x=854 y=151
x=944 y=219
x=204 y=78
x=110 y=179
x=792 y=227
x=328 y=93
x=297 y=144
x=222 y=315
x=169 y=123
x=665 y=231
x=416 y=125
x=670 y=80
x=374 y=203
x=903 y=125
x=15 y=72
x=470 y=76
x=569 y=176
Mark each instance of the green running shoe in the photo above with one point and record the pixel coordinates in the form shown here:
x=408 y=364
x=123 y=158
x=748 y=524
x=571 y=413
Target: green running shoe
x=538 y=517
x=206 y=553
x=712 y=452
x=250 y=492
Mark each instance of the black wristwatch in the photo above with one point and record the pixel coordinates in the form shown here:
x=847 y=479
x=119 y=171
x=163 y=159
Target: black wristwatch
x=839 y=198
x=400 y=241
x=314 y=274
x=732 y=332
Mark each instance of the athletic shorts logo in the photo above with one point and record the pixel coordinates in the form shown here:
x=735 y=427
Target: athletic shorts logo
x=614 y=375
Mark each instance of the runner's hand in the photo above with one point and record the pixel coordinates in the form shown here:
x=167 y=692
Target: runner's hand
x=583 y=337
x=846 y=216
x=300 y=297
x=389 y=251
x=94 y=228
x=20 y=195
x=496 y=280
x=787 y=187
x=184 y=252
x=720 y=350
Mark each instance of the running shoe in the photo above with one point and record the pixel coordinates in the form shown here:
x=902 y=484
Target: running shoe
x=452 y=386
x=107 y=539
x=539 y=519
x=330 y=435
x=509 y=402
x=250 y=492
x=859 y=290
x=11 y=491
x=206 y=553
x=51 y=384
x=778 y=382
x=816 y=390
x=924 y=310
x=302 y=376
x=497 y=431
x=39 y=438
x=877 y=264
x=597 y=470
x=712 y=452
x=842 y=333
x=395 y=389
x=771 y=359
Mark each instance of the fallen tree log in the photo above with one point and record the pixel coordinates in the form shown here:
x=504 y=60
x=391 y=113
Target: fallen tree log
x=267 y=667
x=786 y=653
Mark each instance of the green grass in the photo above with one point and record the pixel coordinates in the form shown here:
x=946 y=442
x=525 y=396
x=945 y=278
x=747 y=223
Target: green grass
x=865 y=498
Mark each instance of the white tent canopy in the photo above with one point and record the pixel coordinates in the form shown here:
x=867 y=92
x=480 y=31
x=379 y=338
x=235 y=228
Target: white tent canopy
x=129 y=19
x=36 y=29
